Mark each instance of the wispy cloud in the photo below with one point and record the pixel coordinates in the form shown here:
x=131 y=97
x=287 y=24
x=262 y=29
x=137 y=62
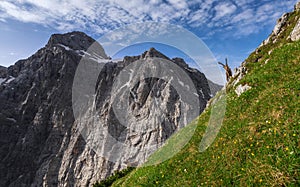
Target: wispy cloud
x=242 y=17
x=224 y=9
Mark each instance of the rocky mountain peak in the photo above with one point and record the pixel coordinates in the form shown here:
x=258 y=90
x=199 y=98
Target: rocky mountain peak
x=74 y=40
x=152 y=52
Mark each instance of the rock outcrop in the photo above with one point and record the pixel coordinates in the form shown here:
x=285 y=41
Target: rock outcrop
x=241 y=89
x=295 y=34
x=278 y=29
x=297 y=6
x=288 y=21
x=281 y=26
x=42 y=144
x=3 y=72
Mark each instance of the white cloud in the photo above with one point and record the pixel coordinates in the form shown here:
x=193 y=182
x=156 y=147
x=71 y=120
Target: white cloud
x=101 y=16
x=249 y=17
x=224 y=9
x=243 y=16
x=244 y=3
x=178 y=4
x=19 y=13
x=2 y=20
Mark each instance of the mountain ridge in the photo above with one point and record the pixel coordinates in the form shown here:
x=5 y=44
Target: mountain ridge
x=41 y=143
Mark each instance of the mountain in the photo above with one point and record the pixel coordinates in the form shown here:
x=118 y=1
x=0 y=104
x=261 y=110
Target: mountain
x=258 y=142
x=3 y=72
x=70 y=116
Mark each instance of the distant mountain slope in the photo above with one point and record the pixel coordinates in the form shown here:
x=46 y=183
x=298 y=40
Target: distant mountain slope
x=259 y=141
x=40 y=140
x=3 y=72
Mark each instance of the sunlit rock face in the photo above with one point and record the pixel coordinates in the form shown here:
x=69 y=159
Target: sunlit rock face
x=42 y=143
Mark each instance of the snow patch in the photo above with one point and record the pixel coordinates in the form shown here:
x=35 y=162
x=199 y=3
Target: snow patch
x=12 y=120
x=23 y=140
x=9 y=80
x=66 y=47
x=95 y=57
x=99 y=60
x=6 y=81
x=181 y=83
x=80 y=52
x=202 y=93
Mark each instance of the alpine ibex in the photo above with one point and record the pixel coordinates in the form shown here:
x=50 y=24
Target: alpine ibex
x=227 y=69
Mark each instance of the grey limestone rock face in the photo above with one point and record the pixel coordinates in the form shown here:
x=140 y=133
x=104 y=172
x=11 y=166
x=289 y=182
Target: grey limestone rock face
x=238 y=75
x=281 y=25
x=40 y=140
x=3 y=72
x=241 y=89
x=278 y=29
x=295 y=34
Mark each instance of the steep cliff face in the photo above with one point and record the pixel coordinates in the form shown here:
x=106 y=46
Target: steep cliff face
x=36 y=111
x=42 y=144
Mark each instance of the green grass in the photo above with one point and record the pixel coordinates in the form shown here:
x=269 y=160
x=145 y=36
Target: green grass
x=117 y=175
x=259 y=140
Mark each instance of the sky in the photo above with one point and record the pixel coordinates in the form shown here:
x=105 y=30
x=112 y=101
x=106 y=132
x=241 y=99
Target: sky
x=229 y=28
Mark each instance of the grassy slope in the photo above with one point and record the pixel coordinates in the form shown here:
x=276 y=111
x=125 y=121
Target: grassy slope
x=259 y=142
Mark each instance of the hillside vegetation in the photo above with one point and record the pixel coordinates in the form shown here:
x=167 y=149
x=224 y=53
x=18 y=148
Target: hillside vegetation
x=259 y=141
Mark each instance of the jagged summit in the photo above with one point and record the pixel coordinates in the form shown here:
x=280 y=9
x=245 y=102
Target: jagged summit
x=152 y=52
x=76 y=40
x=59 y=49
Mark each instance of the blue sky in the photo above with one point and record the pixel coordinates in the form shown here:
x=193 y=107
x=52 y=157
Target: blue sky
x=230 y=28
